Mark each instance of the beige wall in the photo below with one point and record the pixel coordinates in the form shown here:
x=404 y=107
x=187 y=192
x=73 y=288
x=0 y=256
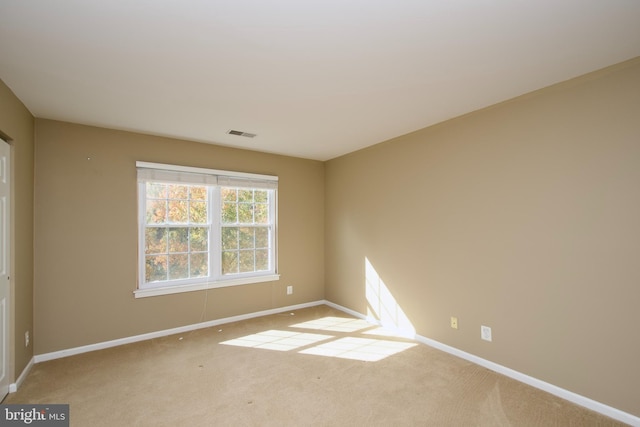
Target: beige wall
x=16 y=124
x=524 y=217
x=86 y=238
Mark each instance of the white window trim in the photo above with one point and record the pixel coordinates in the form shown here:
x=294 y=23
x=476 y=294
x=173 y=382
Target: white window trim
x=175 y=289
x=225 y=178
x=217 y=172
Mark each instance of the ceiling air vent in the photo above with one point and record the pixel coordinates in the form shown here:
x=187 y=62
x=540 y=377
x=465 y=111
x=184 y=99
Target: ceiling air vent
x=240 y=133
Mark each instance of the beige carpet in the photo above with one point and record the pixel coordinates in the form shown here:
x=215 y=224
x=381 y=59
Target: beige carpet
x=312 y=367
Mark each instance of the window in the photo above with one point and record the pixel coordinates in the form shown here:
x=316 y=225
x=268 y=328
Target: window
x=202 y=228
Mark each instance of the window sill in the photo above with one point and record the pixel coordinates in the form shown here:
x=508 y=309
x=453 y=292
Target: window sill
x=167 y=290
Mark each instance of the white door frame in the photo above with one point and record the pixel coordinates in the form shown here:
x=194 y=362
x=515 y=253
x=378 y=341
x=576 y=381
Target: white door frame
x=5 y=268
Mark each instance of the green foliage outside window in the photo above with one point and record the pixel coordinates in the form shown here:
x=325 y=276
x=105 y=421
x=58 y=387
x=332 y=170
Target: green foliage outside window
x=177 y=232
x=245 y=230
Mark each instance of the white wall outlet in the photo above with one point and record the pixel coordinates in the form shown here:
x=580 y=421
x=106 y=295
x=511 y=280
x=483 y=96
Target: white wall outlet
x=289 y=290
x=26 y=339
x=485 y=333
x=454 y=322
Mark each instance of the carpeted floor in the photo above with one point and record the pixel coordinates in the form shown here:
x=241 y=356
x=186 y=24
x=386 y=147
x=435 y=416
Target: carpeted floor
x=311 y=367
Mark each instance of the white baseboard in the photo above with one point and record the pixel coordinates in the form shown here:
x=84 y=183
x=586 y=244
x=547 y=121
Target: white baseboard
x=534 y=382
x=15 y=386
x=128 y=340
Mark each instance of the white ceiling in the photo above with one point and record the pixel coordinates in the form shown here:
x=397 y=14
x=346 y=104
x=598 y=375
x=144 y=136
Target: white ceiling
x=312 y=78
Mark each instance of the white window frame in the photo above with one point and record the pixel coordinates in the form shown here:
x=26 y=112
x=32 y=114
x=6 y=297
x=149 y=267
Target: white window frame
x=214 y=179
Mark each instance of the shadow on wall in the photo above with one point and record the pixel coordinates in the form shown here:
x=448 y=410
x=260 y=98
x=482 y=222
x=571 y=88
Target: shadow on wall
x=382 y=307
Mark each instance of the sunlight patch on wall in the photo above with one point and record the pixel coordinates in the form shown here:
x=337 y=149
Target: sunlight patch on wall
x=278 y=340
x=365 y=349
x=382 y=306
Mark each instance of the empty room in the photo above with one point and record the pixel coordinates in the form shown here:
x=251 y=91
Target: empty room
x=320 y=213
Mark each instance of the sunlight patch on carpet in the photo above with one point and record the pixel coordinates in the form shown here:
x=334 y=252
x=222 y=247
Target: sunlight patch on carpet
x=386 y=332
x=335 y=324
x=277 y=340
x=365 y=349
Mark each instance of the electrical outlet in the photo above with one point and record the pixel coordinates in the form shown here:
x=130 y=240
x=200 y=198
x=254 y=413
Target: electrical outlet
x=485 y=333
x=454 y=322
x=26 y=339
x=289 y=290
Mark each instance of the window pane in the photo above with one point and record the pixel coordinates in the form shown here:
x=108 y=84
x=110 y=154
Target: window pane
x=199 y=265
x=199 y=239
x=261 y=213
x=156 y=211
x=155 y=268
x=262 y=237
x=198 y=193
x=246 y=261
x=229 y=238
x=262 y=260
x=155 y=240
x=229 y=194
x=178 y=266
x=178 y=211
x=246 y=249
x=198 y=212
x=261 y=196
x=246 y=238
x=178 y=240
x=229 y=213
x=178 y=191
x=245 y=195
x=156 y=190
x=229 y=262
x=245 y=213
